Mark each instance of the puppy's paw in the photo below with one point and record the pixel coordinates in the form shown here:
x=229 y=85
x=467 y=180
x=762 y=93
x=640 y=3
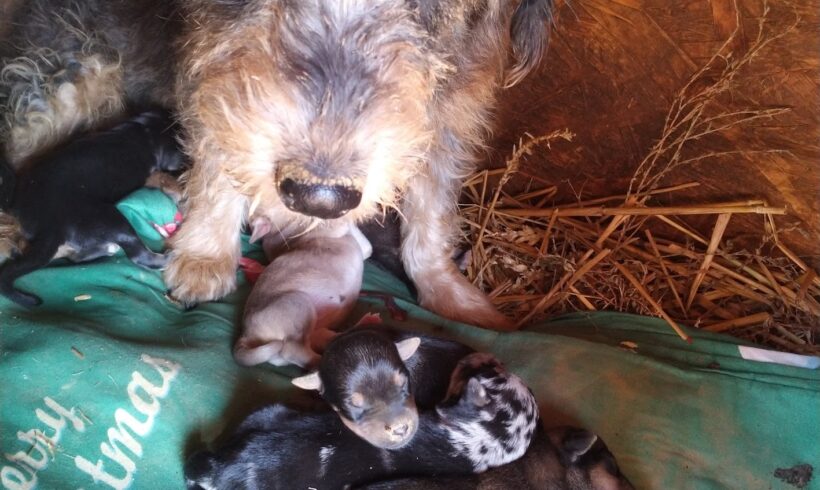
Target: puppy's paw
x=151 y=260
x=167 y=183
x=250 y=352
x=194 y=280
x=279 y=352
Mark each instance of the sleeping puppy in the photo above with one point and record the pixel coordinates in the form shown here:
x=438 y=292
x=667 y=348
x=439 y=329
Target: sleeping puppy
x=376 y=377
x=303 y=294
x=65 y=200
x=488 y=422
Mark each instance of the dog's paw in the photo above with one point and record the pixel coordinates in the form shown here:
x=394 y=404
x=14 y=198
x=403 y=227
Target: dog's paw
x=194 y=280
x=452 y=296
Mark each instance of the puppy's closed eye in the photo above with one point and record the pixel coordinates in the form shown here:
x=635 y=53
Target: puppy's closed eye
x=357 y=400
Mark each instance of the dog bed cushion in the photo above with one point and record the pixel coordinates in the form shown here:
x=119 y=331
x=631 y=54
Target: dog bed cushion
x=110 y=385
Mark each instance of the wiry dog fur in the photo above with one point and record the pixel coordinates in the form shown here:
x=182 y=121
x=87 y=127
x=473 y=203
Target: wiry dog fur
x=384 y=102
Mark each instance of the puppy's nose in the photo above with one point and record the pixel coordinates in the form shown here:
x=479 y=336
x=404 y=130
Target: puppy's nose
x=324 y=201
x=398 y=430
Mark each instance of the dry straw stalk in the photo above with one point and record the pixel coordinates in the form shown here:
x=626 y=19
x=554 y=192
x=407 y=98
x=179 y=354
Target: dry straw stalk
x=538 y=258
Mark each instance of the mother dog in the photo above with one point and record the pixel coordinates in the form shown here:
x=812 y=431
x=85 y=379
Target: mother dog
x=297 y=111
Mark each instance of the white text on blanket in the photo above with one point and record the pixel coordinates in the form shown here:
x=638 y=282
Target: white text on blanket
x=144 y=397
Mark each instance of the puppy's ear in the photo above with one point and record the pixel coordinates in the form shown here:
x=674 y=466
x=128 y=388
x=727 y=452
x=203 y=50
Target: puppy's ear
x=259 y=228
x=475 y=394
x=199 y=468
x=408 y=347
x=308 y=382
x=576 y=443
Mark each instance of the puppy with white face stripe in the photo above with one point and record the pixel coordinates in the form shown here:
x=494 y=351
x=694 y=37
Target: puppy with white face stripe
x=488 y=420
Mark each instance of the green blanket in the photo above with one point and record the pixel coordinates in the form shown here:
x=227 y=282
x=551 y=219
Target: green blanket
x=109 y=385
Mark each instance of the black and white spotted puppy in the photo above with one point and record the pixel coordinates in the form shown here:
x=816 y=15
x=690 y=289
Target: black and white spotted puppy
x=488 y=423
x=375 y=378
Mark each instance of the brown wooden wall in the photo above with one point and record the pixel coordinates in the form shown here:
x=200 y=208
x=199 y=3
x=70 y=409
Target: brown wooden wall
x=614 y=67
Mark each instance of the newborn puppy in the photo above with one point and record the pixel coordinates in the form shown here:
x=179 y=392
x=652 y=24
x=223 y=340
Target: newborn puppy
x=301 y=296
x=65 y=200
x=489 y=423
x=564 y=458
x=384 y=233
x=375 y=377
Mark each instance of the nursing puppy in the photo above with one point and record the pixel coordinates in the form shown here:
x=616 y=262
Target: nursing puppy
x=564 y=458
x=65 y=200
x=489 y=422
x=376 y=377
x=302 y=295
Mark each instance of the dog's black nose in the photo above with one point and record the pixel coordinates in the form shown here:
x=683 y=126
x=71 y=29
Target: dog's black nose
x=320 y=200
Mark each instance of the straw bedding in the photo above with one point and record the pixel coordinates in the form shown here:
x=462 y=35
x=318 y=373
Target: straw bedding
x=624 y=252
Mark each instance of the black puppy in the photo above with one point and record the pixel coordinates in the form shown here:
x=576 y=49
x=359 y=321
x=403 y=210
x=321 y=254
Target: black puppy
x=6 y=181
x=488 y=423
x=375 y=377
x=65 y=200
x=563 y=458
x=384 y=234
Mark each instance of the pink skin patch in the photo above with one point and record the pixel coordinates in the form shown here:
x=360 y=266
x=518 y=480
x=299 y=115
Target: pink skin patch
x=369 y=319
x=168 y=229
x=251 y=268
x=396 y=313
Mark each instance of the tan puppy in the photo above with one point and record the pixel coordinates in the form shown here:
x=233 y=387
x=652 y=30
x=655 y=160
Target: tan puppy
x=303 y=293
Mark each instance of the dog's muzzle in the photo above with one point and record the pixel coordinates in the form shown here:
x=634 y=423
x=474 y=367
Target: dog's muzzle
x=321 y=200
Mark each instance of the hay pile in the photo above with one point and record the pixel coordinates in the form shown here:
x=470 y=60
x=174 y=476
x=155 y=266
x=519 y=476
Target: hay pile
x=621 y=252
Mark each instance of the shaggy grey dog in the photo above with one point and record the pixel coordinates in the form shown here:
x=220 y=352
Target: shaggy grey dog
x=297 y=111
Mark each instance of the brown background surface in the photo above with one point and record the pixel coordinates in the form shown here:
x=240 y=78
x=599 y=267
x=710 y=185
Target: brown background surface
x=613 y=69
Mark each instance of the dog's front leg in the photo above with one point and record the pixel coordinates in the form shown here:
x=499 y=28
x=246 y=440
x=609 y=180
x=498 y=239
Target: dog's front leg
x=206 y=249
x=429 y=207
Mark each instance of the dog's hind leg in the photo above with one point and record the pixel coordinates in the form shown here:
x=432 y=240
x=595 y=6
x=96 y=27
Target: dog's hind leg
x=56 y=86
x=45 y=109
x=36 y=256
